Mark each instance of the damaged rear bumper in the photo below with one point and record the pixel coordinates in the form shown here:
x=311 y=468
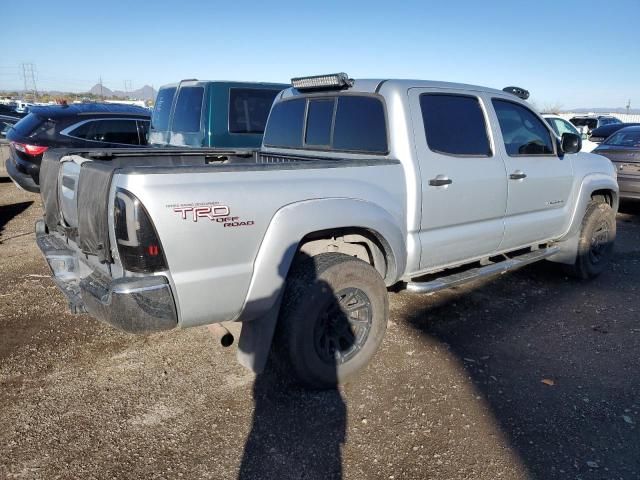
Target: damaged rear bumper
x=132 y=304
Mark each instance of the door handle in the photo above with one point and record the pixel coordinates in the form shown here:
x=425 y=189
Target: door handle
x=518 y=175
x=440 y=181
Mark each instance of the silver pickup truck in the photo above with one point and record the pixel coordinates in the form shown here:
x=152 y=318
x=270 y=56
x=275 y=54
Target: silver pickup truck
x=360 y=185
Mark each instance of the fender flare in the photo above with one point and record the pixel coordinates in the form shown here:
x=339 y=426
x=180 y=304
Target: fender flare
x=568 y=243
x=287 y=228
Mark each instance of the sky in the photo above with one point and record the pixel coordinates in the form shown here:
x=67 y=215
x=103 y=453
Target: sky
x=567 y=53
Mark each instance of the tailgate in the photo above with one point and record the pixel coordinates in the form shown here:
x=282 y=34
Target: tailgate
x=75 y=187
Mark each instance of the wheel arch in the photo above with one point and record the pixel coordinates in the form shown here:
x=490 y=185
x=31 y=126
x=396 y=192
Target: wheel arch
x=291 y=228
x=592 y=186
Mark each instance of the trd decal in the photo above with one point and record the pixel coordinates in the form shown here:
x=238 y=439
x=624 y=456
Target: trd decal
x=212 y=211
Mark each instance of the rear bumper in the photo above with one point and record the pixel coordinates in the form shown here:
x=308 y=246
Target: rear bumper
x=22 y=180
x=132 y=304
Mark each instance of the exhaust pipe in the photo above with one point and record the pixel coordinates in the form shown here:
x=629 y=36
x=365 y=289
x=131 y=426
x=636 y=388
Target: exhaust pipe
x=222 y=334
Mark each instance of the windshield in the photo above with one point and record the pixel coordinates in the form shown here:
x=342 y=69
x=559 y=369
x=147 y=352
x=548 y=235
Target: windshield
x=625 y=139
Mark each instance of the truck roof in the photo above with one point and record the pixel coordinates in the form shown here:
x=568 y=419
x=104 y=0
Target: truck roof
x=229 y=83
x=374 y=85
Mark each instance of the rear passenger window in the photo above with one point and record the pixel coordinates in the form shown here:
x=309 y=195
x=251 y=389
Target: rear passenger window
x=249 y=109
x=360 y=125
x=522 y=131
x=109 y=131
x=319 y=118
x=285 y=124
x=186 y=117
x=454 y=125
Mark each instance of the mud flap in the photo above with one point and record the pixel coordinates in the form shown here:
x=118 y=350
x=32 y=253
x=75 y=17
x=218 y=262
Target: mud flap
x=255 y=340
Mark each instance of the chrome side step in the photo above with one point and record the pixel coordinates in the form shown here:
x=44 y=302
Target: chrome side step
x=470 y=275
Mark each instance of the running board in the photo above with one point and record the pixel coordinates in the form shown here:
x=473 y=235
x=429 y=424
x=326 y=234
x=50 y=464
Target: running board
x=497 y=268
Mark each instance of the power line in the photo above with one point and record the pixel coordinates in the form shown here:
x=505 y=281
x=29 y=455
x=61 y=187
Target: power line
x=29 y=77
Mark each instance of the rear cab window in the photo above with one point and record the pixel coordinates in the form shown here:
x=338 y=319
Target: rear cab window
x=342 y=123
x=249 y=109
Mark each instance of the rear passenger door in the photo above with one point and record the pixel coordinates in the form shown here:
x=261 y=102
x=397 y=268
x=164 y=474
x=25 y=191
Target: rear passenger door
x=464 y=188
x=539 y=180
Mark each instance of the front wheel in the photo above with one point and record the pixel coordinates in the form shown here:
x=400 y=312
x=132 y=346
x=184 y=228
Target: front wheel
x=595 y=246
x=332 y=321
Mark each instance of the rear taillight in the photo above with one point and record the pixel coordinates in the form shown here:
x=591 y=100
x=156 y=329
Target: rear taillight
x=33 y=150
x=138 y=243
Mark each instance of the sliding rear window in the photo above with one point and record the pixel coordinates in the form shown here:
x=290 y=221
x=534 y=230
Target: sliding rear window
x=347 y=123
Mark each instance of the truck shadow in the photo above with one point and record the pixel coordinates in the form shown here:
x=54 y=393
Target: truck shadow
x=8 y=212
x=556 y=361
x=295 y=433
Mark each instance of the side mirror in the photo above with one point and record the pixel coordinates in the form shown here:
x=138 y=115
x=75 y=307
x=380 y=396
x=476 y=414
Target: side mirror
x=571 y=143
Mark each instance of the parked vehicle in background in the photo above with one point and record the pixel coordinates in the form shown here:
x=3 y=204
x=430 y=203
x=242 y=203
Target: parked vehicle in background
x=23 y=107
x=560 y=126
x=10 y=110
x=600 y=134
x=77 y=125
x=586 y=123
x=6 y=122
x=623 y=149
x=360 y=185
x=202 y=113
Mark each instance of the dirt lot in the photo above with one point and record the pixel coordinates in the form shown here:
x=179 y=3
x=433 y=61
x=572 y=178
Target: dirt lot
x=456 y=391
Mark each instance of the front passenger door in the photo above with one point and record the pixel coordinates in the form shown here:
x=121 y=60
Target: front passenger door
x=539 y=178
x=464 y=189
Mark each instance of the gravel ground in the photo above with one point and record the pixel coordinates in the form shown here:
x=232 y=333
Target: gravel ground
x=532 y=375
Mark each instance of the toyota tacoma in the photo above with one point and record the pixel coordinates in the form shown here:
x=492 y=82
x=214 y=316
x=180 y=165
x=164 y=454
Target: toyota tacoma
x=359 y=186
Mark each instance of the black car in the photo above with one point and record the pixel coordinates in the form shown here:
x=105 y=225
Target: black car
x=600 y=134
x=623 y=149
x=10 y=110
x=87 y=125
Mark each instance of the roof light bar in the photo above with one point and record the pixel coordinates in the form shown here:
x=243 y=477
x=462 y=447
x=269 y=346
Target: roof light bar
x=517 y=91
x=322 y=82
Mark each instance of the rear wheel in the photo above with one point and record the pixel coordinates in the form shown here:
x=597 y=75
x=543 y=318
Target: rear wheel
x=332 y=321
x=597 y=236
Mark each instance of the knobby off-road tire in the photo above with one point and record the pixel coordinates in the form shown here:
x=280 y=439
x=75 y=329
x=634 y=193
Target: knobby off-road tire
x=332 y=321
x=597 y=236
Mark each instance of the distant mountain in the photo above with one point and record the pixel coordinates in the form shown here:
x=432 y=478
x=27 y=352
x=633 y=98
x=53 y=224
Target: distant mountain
x=144 y=93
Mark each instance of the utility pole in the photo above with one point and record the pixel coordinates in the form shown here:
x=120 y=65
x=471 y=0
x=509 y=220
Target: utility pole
x=101 y=93
x=628 y=106
x=29 y=77
x=127 y=87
